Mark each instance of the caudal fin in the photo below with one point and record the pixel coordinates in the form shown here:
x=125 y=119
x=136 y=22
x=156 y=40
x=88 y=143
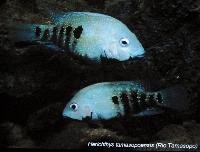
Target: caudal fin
x=174 y=98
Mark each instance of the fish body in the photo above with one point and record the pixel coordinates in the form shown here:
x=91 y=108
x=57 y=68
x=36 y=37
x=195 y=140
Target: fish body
x=109 y=100
x=87 y=34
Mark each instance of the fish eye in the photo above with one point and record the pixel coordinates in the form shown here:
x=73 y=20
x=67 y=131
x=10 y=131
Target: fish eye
x=124 y=42
x=74 y=106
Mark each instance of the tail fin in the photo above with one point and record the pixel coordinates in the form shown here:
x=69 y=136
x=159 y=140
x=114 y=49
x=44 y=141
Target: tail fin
x=175 y=98
x=20 y=32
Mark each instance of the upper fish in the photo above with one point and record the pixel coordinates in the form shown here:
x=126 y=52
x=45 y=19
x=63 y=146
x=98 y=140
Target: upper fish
x=109 y=100
x=87 y=34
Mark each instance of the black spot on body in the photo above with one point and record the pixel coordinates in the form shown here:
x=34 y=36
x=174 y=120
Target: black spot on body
x=125 y=102
x=38 y=32
x=45 y=36
x=61 y=35
x=68 y=31
x=78 y=31
x=159 y=98
x=142 y=103
x=134 y=102
x=115 y=100
x=151 y=100
x=68 y=34
x=54 y=36
x=62 y=30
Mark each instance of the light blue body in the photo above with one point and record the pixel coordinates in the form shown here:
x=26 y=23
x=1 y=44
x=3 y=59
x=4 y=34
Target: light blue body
x=102 y=36
x=97 y=99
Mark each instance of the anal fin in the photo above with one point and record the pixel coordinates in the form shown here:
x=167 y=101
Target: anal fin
x=149 y=112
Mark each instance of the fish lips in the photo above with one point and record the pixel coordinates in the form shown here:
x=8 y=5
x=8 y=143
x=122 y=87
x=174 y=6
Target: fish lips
x=65 y=116
x=141 y=55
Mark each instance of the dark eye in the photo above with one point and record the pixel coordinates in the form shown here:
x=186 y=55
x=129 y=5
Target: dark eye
x=74 y=106
x=124 y=42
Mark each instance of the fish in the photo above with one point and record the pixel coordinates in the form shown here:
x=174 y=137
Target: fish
x=108 y=100
x=88 y=34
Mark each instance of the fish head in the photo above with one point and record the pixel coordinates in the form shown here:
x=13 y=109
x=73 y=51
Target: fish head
x=91 y=103
x=122 y=44
x=78 y=109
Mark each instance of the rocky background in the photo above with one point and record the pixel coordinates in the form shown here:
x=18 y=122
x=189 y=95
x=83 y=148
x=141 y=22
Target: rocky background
x=37 y=82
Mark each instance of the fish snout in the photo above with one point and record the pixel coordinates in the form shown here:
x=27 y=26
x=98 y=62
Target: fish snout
x=65 y=114
x=139 y=53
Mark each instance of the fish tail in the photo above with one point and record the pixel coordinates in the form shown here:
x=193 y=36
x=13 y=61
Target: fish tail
x=174 y=98
x=21 y=32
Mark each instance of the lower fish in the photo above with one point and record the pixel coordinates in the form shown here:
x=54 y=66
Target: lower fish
x=107 y=100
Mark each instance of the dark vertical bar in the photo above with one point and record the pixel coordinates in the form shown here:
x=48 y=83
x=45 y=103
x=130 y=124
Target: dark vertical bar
x=134 y=102
x=151 y=100
x=142 y=102
x=38 y=32
x=115 y=100
x=61 y=36
x=159 y=98
x=54 y=35
x=77 y=34
x=78 y=31
x=125 y=102
x=45 y=36
x=68 y=34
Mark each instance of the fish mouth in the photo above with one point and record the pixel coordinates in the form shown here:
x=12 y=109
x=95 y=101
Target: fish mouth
x=68 y=118
x=65 y=116
x=141 y=55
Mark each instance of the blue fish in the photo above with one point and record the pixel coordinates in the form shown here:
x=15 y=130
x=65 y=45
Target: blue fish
x=109 y=100
x=87 y=34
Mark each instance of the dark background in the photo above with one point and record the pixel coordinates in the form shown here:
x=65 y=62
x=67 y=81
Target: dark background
x=37 y=82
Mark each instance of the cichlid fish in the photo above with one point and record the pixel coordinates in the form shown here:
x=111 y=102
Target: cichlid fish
x=84 y=33
x=123 y=98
